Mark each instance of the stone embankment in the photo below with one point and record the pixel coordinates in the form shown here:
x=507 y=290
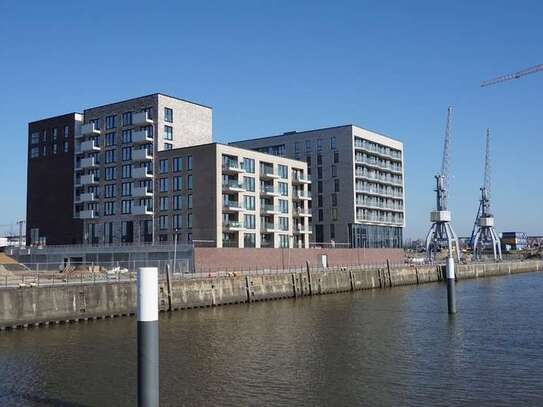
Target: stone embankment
x=36 y=306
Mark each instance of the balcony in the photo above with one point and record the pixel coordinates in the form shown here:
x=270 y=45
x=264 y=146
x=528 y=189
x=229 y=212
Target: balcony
x=86 y=197
x=302 y=213
x=270 y=210
x=141 y=137
x=233 y=226
x=141 y=155
x=89 y=214
x=270 y=191
x=301 y=196
x=232 y=206
x=141 y=210
x=141 y=119
x=89 y=146
x=89 y=129
x=141 y=173
x=268 y=173
x=233 y=186
x=301 y=180
x=266 y=242
x=232 y=167
x=268 y=227
x=301 y=229
x=88 y=179
x=141 y=192
x=89 y=162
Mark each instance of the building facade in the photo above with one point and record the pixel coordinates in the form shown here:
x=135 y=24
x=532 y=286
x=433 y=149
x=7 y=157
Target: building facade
x=223 y=196
x=50 y=181
x=115 y=162
x=357 y=183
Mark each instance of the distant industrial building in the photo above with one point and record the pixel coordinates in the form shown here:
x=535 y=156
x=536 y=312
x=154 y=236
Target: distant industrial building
x=514 y=240
x=357 y=182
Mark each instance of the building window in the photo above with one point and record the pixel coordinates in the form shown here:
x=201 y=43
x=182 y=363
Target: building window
x=177 y=221
x=189 y=181
x=127 y=118
x=334 y=199
x=319 y=172
x=55 y=148
x=319 y=187
x=177 y=182
x=283 y=188
x=109 y=208
x=249 y=184
x=336 y=157
x=249 y=202
x=109 y=191
x=126 y=189
x=283 y=241
x=163 y=184
x=168 y=115
x=177 y=164
x=336 y=185
x=127 y=153
x=283 y=224
x=297 y=149
x=44 y=151
x=66 y=131
x=126 y=171
x=126 y=206
x=168 y=146
x=283 y=171
x=308 y=146
x=332 y=232
x=44 y=136
x=55 y=134
x=333 y=213
x=35 y=138
x=34 y=152
x=109 y=156
x=319 y=201
x=163 y=203
x=249 y=221
x=163 y=222
x=189 y=163
x=249 y=165
x=168 y=132
x=177 y=202
x=110 y=173
x=127 y=136
x=333 y=143
x=321 y=215
x=66 y=146
x=319 y=145
x=189 y=201
x=110 y=122
x=334 y=170
x=163 y=166
x=283 y=205
x=189 y=220
x=109 y=139
x=249 y=240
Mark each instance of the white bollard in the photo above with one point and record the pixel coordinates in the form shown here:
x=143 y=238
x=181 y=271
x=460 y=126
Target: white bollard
x=147 y=315
x=451 y=290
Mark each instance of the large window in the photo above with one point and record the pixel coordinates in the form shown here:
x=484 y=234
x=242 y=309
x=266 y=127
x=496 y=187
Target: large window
x=109 y=191
x=249 y=202
x=249 y=221
x=34 y=152
x=177 y=183
x=168 y=115
x=189 y=182
x=109 y=156
x=249 y=240
x=283 y=223
x=177 y=202
x=127 y=118
x=126 y=189
x=283 y=205
x=126 y=171
x=109 y=139
x=35 y=138
x=127 y=153
x=163 y=222
x=110 y=122
x=163 y=203
x=177 y=164
x=168 y=132
x=126 y=206
x=283 y=171
x=189 y=163
x=333 y=143
x=283 y=188
x=110 y=173
x=163 y=184
x=163 y=166
x=109 y=208
x=249 y=165
x=249 y=184
x=127 y=136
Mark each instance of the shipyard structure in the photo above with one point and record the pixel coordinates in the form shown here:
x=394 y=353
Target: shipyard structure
x=146 y=171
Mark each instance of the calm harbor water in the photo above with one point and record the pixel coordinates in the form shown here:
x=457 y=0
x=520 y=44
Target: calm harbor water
x=383 y=348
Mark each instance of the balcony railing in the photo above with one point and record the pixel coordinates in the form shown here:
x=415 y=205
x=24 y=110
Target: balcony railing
x=270 y=190
x=232 y=206
x=86 y=197
x=380 y=178
x=141 y=210
x=89 y=129
x=89 y=146
x=89 y=162
x=141 y=173
x=233 y=186
x=141 y=137
x=141 y=192
x=301 y=195
x=88 y=179
x=88 y=214
x=384 y=151
x=233 y=225
x=301 y=179
x=378 y=164
x=232 y=166
x=270 y=209
x=141 y=155
x=381 y=192
x=268 y=172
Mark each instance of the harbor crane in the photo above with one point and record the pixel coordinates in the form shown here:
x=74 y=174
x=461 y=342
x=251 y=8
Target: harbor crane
x=484 y=233
x=441 y=234
x=511 y=76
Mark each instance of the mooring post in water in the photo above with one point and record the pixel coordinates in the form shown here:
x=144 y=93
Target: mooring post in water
x=451 y=294
x=147 y=313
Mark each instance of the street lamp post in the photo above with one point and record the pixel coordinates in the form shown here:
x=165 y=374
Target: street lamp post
x=175 y=248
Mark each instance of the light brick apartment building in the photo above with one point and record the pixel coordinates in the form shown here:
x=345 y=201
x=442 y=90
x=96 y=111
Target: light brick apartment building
x=358 y=182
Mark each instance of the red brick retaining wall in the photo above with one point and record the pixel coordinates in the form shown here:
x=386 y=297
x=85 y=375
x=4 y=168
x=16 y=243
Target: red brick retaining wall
x=217 y=259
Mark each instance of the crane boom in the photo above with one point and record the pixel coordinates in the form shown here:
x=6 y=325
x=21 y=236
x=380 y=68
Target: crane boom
x=512 y=76
x=487 y=165
x=445 y=163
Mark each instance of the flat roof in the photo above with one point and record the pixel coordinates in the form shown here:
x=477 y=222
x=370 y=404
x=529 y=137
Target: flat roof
x=54 y=117
x=144 y=96
x=295 y=132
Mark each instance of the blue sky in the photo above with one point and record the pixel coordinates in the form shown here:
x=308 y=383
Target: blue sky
x=269 y=67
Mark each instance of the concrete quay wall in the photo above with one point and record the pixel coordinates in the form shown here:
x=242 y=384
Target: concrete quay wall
x=63 y=304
